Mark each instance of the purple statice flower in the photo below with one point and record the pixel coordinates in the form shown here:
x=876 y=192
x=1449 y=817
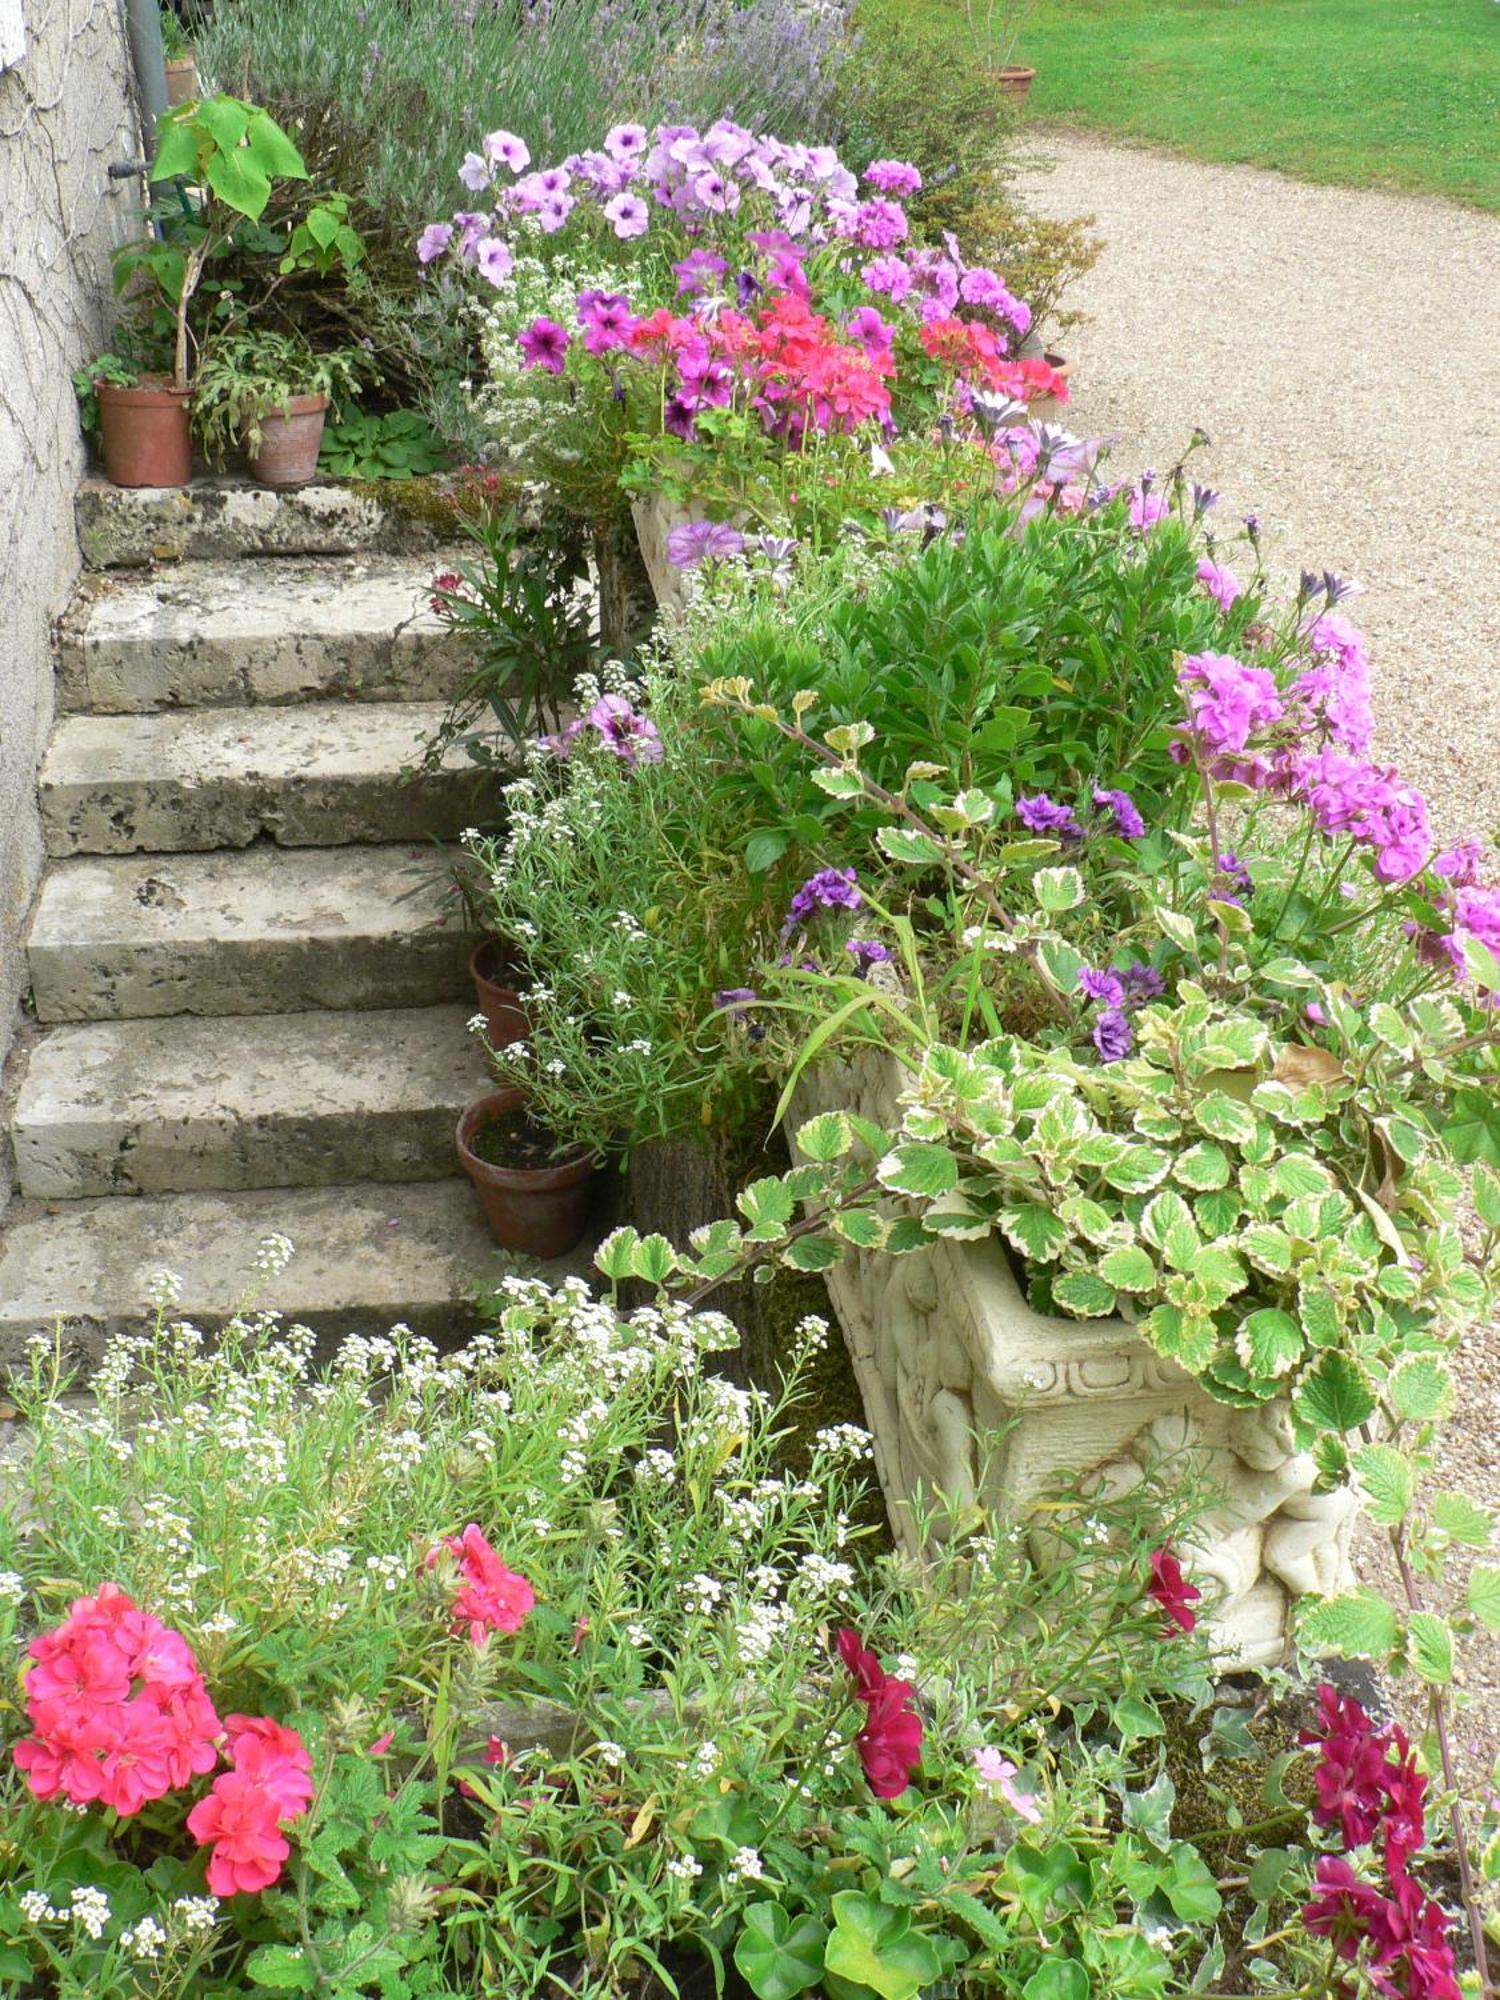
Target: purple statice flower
x=1222 y=585
x=695 y=542
x=507 y=150
x=493 y=259
x=606 y=319
x=625 y=142
x=890 y=276
x=867 y=952
x=545 y=345
x=1103 y=987
x=1141 y=982
x=1042 y=816
x=893 y=177
x=632 y=737
x=879 y=224
x=1227 y=702
x=829 y=889
x=433 y=241
x=1113 y=1035
x=629 y=216
x=476 y=173
x=870 y=331
x=699 y=271
x=1123 y=810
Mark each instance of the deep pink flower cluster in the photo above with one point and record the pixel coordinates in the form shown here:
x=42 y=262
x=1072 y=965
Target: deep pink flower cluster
x=1369 y=1787
x=119 y=1710
x=890 y=1743
x=490 y=1597
x=121 y=1715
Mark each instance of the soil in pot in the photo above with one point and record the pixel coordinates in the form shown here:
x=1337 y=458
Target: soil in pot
x=496 y=973
x=144 y=432
x=291 y=439
x=533 y=1201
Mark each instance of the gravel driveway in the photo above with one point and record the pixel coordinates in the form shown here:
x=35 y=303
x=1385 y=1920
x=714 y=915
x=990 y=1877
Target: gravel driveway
x=1341 y=348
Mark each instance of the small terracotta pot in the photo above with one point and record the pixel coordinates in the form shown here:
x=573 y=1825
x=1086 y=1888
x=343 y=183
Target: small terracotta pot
x=291 y=438
x=541 y=1210
x=144 y=433
x=1015 y=82
x=182 y=80
x=492 y=969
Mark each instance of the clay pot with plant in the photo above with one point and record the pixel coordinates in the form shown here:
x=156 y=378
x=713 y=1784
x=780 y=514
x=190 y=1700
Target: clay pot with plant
x=179 y=60
x=269 y=393
x=497 y=973
x=995 y=29
x=534 y=1200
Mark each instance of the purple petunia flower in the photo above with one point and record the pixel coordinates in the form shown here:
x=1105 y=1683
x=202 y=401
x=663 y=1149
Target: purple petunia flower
x=606 y=319
x=1123 y=810
x=730 y=999
x=1103 y=987
x=508 y=150
x=433 y=241
x=625 y=142
x=545 y=345
x=699 y=271
x=1042 y=816
x=632 y=737
x=694 y=542
x=1141 y=982
x=872 y=333
x=1113 y=1036
x=629 y=215
x=494 y=260
x=829 y=889
x=476 y=173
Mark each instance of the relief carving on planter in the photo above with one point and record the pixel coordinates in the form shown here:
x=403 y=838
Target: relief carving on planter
x=947 y=1353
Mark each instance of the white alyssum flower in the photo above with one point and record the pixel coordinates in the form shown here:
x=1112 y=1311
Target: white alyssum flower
x=706 y=1590
x=146 y=1940
x=90 y=1909
x=12 y=1588
x=684 y=1868
x=196 y=1913
x=747 y=1865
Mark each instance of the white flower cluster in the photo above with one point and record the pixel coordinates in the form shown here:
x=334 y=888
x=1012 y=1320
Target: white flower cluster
x=524 y=408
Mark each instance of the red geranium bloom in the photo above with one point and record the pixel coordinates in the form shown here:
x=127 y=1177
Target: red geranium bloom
x=239 y=1817
x=275 y=1757
x=1171 y=1589
x=890 y=1744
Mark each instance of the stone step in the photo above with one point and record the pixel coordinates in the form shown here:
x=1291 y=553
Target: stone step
x=366 y=1256
x=319 y=775
x=182 y=1104
x=257 y=930
x=218 y=520
x=201 y=634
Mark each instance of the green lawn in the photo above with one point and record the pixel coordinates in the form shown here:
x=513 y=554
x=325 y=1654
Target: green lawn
x=1363 y=92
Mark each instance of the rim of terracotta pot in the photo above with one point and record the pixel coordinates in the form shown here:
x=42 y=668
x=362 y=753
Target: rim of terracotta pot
x=294 y=406
x=1013 y=72
x=150 y=389
x=563 y=1173
x=499 y=978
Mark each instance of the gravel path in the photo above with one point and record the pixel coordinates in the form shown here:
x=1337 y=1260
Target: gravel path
x=1341 y=348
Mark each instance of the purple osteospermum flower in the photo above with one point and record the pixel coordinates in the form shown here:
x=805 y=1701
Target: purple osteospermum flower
x=1042 y=816
x=1123 y=810
x=867 y=952
x=433 y=241
x=893 y=177
x=1103 y=987
x=475 y=173
x=510 y=151
x=829 y=889
x=545 y=345
x=629 y=215
x=494 y=260
x=632 y=737
x=695 y=542
x=1113 y=1037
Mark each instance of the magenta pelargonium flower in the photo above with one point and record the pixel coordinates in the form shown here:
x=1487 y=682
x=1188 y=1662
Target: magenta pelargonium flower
x=692 y=543
x=1222 y=585
x=633 y=738
x=545 y=345
x=1228 y=702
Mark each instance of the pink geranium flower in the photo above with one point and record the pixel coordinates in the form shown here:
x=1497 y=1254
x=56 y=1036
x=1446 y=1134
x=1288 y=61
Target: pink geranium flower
x=276 y=1757
x=491 y=1598
x=890 y=1743
x=999 y=1773
x=239 y=1820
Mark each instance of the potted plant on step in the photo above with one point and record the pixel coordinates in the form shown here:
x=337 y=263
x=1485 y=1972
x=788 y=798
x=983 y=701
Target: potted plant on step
x=270 y=393
x=180 y=60
x=534 y=1201
x=995 y=26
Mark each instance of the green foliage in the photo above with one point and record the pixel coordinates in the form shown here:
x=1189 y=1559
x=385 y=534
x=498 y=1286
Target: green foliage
x=244 y=377
x=113 y=368
x=389 y=444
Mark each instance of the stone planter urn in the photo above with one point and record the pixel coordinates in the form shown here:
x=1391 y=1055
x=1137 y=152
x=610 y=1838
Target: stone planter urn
x=655 y=517
x=947 y=1352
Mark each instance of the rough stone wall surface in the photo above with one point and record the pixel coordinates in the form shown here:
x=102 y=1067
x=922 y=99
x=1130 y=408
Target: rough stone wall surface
x=65 y=114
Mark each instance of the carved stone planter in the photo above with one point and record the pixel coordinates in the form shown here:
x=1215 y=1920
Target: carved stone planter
x=655 y=517
x=946 y=1352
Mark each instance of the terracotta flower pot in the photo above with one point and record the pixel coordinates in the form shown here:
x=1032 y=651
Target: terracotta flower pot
x=1015 y=82
x=182 y=80
x=541 y=1210
x=144 y=433
x=290 y=441
x=492 y=969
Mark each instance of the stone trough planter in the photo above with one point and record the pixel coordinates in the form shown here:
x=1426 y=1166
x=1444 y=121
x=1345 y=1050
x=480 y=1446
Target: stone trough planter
x=946 y=1351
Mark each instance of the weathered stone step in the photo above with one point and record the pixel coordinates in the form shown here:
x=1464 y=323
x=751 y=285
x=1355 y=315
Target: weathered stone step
x=318 y=775
x=182 y=1104
x=200 y=634
x=222 y=519
x=257 y=930
x=366 y=1256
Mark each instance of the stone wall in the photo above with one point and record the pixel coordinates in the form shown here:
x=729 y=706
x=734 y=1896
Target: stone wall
x=66 y=113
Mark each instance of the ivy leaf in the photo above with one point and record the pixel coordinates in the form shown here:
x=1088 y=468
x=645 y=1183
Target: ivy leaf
x=874 y=1945
x=1473 y=1129
x=1429 y=1647
x=1082 y=1293
x=1358 y=1626
x=777 y=1957
x=918 y=1168
x=1336 y=1396
x=1389 y=1479
x=1190 y=1888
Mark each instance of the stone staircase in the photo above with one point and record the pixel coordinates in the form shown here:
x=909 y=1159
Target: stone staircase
x=250 y=991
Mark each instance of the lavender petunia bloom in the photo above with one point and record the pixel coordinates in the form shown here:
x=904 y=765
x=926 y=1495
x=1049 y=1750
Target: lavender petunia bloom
x=731 y=999
x=508 y=150
x=475 y=173
x=629 y=216
x=1042 y=816
x=625 y=142
x=1123 y=810
x=433 y=241
x=1141 y=982
x=632 y=737
x=494 y=260
x=695 y=542
x=1113 y=1036
x=545 y=345
x=699 y=271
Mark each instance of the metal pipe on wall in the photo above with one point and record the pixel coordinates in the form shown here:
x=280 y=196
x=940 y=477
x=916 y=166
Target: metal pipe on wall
x=148 y=58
